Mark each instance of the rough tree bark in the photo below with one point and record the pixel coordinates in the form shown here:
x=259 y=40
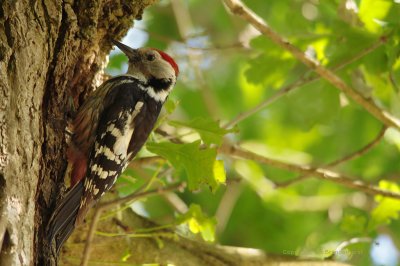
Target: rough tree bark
x=51 y=54
x=51 y=51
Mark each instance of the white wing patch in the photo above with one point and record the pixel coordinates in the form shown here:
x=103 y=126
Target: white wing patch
x=120 y=147
x=117 y=154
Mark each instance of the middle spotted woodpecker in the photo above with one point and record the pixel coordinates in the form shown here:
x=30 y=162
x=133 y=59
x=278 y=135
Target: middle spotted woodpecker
x=109 y=129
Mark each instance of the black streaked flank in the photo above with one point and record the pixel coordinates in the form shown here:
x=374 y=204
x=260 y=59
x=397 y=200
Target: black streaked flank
x=128 y=95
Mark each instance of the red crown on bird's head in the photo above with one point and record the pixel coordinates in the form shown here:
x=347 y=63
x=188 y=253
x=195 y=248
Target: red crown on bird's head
x=169 y=59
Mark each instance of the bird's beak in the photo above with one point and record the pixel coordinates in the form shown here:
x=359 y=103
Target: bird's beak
x=128 y=51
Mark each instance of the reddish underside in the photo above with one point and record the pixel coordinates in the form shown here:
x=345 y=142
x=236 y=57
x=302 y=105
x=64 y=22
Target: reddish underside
x=79 y=165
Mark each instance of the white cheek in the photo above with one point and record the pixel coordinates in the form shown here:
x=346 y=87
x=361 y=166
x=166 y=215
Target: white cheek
x=162 y=69
x=160 y=96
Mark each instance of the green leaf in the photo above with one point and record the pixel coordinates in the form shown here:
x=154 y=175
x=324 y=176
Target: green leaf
x=219 y=171
x=387 y=208
x=316 y=103
x=128 y=182
x=126 y=255
x=209 y=130
x=170 y=105
x=263 y=69
x=372 y=13
x=200 y=165
x=199 y=222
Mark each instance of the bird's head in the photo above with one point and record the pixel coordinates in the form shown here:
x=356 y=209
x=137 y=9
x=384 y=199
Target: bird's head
x=151 y=66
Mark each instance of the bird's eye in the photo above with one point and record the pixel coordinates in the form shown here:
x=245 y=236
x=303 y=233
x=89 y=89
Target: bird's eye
x=151 y=57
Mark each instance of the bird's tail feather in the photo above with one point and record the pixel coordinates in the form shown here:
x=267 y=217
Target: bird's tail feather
x=62 y=222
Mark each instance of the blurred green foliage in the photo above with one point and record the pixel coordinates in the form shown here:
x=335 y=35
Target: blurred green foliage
x=228 y=69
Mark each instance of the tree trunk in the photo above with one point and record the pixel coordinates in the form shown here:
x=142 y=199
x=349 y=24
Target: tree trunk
x=51 y=51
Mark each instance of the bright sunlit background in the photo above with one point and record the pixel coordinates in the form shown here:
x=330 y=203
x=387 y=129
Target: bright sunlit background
x=227 y=70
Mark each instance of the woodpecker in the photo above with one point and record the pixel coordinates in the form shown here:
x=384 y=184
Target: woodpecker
x=109 y=129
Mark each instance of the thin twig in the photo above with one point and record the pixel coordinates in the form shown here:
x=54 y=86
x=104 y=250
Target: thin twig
x=106 y=205
x=90 y=236
x=320 y=173
x=135 y=196
x=165 y=134
x=147 y=160
x=239 y=9
x=137 y=235
x=339 y=249
x=166 y=39
x=351 y=156
x=143 y=187
x=303 y=80
x=267 y=102
x=361 y=151
x=226 y=205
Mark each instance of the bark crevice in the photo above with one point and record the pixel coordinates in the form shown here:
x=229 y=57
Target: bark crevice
x=5 y=248
x=2 y=184
x=8 y=32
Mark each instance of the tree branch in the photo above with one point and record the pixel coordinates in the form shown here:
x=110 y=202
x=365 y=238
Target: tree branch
x=239 y=9
x=146 y=161
x=361 y=151
x=176 y=250
x=346 y=158
x=320 y=173
x=303 y=80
